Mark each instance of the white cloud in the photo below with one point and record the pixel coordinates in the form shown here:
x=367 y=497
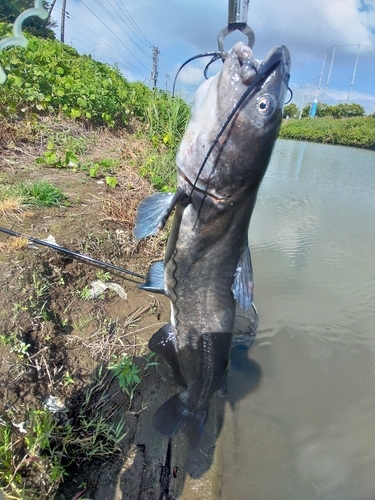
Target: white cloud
x=182 y=29
x=191 y=75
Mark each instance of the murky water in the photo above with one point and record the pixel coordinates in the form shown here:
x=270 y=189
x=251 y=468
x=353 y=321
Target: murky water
x=306 y=428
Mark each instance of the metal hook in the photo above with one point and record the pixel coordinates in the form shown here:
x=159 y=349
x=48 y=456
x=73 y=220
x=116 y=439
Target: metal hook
x=18 y=37
x=237 y=19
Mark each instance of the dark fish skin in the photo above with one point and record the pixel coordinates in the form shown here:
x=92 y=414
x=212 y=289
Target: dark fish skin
x=207 y=264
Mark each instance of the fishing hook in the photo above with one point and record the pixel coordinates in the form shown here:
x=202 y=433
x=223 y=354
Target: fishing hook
x=215 y=58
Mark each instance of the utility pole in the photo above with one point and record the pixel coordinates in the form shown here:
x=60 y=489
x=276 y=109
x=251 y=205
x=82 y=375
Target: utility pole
x=63 y=11
x=154 y=71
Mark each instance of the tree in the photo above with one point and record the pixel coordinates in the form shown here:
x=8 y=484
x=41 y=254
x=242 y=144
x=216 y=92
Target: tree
x=10 y=10
x=291 y=111
x=343 y=110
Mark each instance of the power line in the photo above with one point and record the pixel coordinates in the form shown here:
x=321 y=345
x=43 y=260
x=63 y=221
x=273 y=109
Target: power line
x=128 y=24
x=127 y=14
x=122 y=43
x=114 y=20
x=127 y=63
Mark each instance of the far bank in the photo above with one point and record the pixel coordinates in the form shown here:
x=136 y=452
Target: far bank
x=356 y=131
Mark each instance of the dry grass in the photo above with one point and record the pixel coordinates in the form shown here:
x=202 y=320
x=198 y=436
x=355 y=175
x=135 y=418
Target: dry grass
x=10 y=205
x=17 y=243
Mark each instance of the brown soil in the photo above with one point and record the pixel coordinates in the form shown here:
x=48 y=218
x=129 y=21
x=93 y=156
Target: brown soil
x=56 y=341
x=51 y=332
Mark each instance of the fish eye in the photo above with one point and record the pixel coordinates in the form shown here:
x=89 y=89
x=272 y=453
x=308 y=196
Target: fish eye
x=265 y=104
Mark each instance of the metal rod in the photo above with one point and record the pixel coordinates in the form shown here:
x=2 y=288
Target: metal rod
x=74 y=254
x=354 y=72
x=237 y=11
x=329 y=71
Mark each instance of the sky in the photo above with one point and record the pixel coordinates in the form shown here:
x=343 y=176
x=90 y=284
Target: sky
x=326 y=38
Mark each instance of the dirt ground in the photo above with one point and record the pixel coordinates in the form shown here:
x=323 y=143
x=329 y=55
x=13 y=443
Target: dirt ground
x=57 y=340
x=54 y=338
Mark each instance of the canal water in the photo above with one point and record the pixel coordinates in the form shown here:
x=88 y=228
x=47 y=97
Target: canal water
x=299 y=422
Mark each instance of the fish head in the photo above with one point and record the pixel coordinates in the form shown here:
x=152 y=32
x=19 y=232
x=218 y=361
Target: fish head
x=251 y=94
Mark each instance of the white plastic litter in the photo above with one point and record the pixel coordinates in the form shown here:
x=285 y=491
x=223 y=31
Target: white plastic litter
x=54 y=404
x=51 y=239
x=98 y=287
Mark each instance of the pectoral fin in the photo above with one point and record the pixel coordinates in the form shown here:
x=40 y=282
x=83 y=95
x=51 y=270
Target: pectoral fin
x=163 y=343
x=243 y=285
x=153 y=212
x=155 y=279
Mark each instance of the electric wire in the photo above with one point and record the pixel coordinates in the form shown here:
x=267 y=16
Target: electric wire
x=122 y=43
x=121 y=28
x=128 y=24
x=103 y=42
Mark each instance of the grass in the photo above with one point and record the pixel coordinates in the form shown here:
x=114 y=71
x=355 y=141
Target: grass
x=41 y=194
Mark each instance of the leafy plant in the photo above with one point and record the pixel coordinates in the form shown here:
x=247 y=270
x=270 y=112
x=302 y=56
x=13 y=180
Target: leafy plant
x=85 y=293
x=53 y=159
x=46 y=443
x=48 y=76
x=103 y=276
x=111 y=181
x=128 y=374
x=67 y=379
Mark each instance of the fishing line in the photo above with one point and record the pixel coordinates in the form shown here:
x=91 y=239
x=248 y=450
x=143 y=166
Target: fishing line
x=88 y=259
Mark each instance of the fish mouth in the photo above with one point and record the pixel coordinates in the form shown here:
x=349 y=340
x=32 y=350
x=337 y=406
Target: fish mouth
x=248 y=66
x=249 y=71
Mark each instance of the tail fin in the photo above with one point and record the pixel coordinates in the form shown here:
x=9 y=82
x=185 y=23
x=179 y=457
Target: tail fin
x=173 y=415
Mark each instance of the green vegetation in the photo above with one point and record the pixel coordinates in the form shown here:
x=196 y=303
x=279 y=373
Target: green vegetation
x=167 y=118
x=339 y=111
x=128 y=374
x=46 y=443
x=342 y=124
x=358 y=131
x=291 y=111
x=50 y=78
x=38 y=194
x=10 y=10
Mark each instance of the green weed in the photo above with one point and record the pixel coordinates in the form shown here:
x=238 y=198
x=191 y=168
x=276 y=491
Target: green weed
x=129 y=374
x=103 y=276
x=48 y=444
x=38 y=194
x=48 y=76
x=85 y=293
x=67 y=379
